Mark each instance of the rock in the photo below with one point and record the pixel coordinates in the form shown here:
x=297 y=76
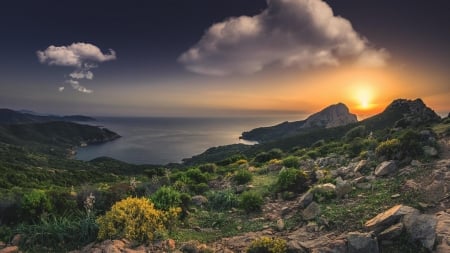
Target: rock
x=326 y=188
x=199 y=200
x=410 y=185
x=358 y=180
x=240 y=189
x=361 y=164
x=332 y=116
x=320 y=174
x=395 y=196
x=421 y=227
x=443 y=232
x=416 y=163
x=170 y=244
x=10 y=249
x=311 y=212
x=389 y=217
x=2 y=244
x=330 y=246
x=362 y=242
x=386 y=168
x=280 y=225
x=305 y=199
x=430 y=151
x=312 y=227
x=343 y=187
x=392 y=232
x=16 y=240
x=295 y=247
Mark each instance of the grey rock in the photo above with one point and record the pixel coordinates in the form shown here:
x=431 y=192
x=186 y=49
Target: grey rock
x=389 y=217
x=361 y=164
x=362 y=242
x=199 y=200
x=430 y=151
x=311 y=212
x=305 y=199
x=364 y=186
x=392 y=232
x=422 y=228
x=332 y=116
x=294 y=246
x=386 y=168
x=443 y=232
x=343 y=187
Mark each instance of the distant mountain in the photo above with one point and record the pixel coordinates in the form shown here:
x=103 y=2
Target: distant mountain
x=332 y=116
x=8 y=117
x=401 y=113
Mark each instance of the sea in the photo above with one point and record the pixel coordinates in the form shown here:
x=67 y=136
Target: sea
x=159 y=140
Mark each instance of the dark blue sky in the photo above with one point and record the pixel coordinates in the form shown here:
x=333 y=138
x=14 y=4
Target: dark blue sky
x=149 y=36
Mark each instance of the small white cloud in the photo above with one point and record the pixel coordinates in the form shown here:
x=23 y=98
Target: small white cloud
x=80 y=74
x=289 y=33
x=74 y=55
x=76 y=85
x=61 y=89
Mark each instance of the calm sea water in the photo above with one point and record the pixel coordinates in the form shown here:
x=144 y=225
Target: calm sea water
x=166 y=140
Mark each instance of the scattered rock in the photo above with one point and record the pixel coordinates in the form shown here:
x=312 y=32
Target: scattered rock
x=395 y=196
x=326 y=188
x=443 y=232
x=392 y=232
x=305 y=199
x=295 y=247
x=386 y=168
x=430 y=151
x=311 y=212
x=421 y=227
x=16 y=240
x=361 y=164
x=364 y=186
x=10 y=249
x=199 y=200
x=362 y=242
x=343 y=187
x=280 y=225
x=389 y=217
x=312 y=227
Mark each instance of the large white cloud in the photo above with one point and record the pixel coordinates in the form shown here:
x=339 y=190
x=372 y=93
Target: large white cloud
x=74 y=55
x=289 y=33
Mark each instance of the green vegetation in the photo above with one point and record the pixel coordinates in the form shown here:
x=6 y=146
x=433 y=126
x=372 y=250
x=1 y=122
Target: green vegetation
x=267 y=245
x=251 y=201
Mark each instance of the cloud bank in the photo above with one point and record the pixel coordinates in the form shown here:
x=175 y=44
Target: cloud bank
x=82 y=56
x=289 y=33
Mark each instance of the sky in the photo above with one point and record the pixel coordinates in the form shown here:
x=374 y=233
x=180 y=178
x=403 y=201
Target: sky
x=222 y=57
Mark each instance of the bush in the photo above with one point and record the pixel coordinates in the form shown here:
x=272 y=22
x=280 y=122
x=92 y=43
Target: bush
x=267 y=245
x=198 y=188
x=59 y=233
x=251 y=201
x=359 y=131
x=291 y=162
x=388 y=149
x=263 y=157
x=290 y=179
x=134 y=219
x=35 y=203
x=208 y=168
x=196 y=176
x=166 y=197
x=222 y=200
x=242 y=176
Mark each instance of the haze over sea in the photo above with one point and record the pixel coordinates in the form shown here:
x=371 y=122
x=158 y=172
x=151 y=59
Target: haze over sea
x=166 y=140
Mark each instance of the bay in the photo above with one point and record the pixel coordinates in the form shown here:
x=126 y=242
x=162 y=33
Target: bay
x=169 y=140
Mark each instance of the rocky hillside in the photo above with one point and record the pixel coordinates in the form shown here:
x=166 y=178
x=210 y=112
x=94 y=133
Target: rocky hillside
x=332 y=116
x=8 y=116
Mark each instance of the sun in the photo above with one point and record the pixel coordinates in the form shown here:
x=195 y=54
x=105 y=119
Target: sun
x=363 y=95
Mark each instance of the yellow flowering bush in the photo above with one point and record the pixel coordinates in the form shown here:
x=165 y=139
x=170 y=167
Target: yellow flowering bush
x=267 y=245
x=135 y=219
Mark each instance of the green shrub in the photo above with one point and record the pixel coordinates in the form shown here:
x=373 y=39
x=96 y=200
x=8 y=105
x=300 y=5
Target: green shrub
x=267 y=245
x=290 y=179
x=59 y=233
x=263 y=157
x=166 y=197
x=35 y=203
x=359 y=131
x=196 y=176
x=208 y=168
x=199 y=188
x=291 y=162
x=242 y=176
x=134 y=219
x=250 y=201
x=222 y=200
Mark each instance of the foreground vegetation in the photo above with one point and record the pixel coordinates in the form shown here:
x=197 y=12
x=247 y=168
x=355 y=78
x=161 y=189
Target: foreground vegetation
x=58 y=204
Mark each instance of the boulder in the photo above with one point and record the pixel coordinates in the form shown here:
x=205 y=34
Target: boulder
x=422 y=228
x=311 y=212
x=343 y=187
x=294 y=246
x=362 y=242
x=387 y=218
x=280 y=225
x=361 y=164
x=326 y=188
x=392 y=232
x=199 y=200
x=305 y=199
x=386 y=168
